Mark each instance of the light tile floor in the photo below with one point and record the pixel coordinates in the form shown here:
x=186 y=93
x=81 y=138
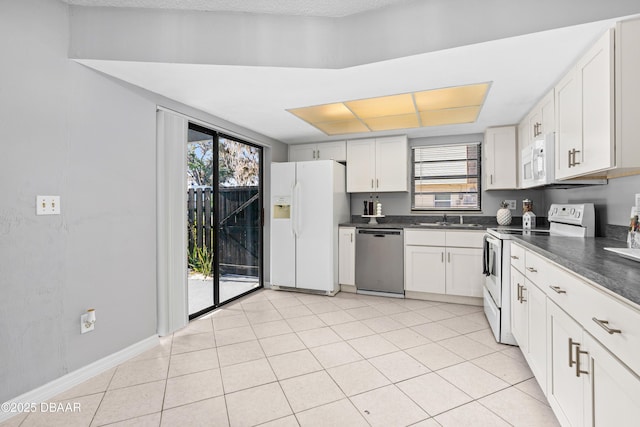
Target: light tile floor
x=288 y=359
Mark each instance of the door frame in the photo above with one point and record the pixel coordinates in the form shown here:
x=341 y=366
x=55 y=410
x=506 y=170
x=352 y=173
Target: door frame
x=215 y=135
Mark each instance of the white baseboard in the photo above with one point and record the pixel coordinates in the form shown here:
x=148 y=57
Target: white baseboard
x=348 y=288
x=72 y=379
x=455 y=299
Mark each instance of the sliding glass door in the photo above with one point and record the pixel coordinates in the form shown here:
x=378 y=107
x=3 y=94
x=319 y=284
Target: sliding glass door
x=225 y=230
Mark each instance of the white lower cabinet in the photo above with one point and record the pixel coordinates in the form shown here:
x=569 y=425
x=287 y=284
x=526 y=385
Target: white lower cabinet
x=433 y=266
x=425 y=269
x=347 y=256
x=614 y=391
x=537 y=319
x=528 y=317
x=577 y=341
x=588 y=386
x=519 y=311
x=567 y=368
x=463 y=265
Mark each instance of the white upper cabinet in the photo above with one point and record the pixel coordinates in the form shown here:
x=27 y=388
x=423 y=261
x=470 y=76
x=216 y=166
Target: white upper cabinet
x=392 y=163
x=627 y=95
x=585 y=113
x=377 y=164
x=541 y=120
x=336 y=150
x=568 y=127
x=500 y=159
x=597 y=106
x=302 y=152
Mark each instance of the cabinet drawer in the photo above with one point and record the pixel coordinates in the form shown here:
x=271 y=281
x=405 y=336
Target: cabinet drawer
x=464 y=239
x=517 y=257
x=424 y=237
x=536 y=269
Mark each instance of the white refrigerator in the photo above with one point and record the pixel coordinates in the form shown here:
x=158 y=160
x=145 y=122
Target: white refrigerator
x=308 y=201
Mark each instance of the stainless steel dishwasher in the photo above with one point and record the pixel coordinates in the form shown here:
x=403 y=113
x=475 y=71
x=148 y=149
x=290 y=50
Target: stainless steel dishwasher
x=380 y=260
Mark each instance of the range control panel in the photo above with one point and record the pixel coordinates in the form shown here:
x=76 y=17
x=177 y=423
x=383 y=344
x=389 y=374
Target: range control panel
x=575 y=214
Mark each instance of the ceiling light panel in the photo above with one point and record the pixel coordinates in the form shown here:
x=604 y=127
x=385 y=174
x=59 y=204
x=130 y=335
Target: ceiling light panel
x=394 y=105
x=447 y=106
x=451 y=97
x=324 y=113
x=450 y=117
x=342 y=127
x=404 y=121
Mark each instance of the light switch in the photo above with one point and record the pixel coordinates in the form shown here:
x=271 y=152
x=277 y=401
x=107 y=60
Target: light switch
x=47 y=205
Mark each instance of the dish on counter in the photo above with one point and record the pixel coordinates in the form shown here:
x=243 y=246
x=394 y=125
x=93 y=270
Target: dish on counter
x=632 y=254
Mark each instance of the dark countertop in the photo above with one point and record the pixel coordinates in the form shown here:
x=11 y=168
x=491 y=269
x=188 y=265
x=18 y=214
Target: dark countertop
x=480 y=227
x=587 y=258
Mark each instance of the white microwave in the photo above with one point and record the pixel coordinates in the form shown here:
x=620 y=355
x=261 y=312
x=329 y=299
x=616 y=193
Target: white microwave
x=537 y=167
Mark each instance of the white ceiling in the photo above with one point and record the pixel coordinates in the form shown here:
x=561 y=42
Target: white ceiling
x=521 y=69
x=324 y=8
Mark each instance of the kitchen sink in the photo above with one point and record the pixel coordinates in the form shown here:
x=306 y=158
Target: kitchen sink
x=448 y=224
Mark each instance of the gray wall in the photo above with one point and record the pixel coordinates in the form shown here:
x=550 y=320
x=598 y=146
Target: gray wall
x=400 y=203
x=70 y=131
x=613 y=201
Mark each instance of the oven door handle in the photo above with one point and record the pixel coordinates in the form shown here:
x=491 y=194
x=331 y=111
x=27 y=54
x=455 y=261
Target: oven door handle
x=493 y=241
x=488 y=255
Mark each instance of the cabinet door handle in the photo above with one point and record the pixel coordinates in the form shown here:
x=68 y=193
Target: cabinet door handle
x=574 y=157
x=578 y=353
x=519 y=293
x=490 y=178
x=604 y=325
x=371 y=182
x=571 y=344
x=442 y=257
x=449 y=257
x=377 y=183
x=522 y=299
x=531 y=269
x=351 y=236
x=569 y=158
x=557 y=289
x=514 y=257
x=318 y=155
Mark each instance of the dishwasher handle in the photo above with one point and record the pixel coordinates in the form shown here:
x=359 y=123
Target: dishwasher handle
x=381 y=233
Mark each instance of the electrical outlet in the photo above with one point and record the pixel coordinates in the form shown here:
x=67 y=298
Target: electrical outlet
x=512 y=204
x=88 y=321
x=47 y=205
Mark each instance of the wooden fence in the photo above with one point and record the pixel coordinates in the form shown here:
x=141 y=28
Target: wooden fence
x=240 y=222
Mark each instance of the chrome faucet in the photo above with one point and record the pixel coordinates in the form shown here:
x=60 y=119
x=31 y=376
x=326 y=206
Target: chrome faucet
x=444 y=218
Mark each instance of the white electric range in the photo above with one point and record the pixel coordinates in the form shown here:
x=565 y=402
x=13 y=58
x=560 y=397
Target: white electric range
x=568 y=220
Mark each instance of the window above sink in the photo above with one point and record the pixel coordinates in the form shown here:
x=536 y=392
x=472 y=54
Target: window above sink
x=446 y=177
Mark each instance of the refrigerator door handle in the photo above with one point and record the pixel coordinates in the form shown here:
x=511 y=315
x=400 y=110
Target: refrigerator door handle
x=294 y=208
x=296 y=211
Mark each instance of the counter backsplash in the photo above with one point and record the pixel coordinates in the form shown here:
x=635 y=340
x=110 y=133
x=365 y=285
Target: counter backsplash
x=616 y=232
